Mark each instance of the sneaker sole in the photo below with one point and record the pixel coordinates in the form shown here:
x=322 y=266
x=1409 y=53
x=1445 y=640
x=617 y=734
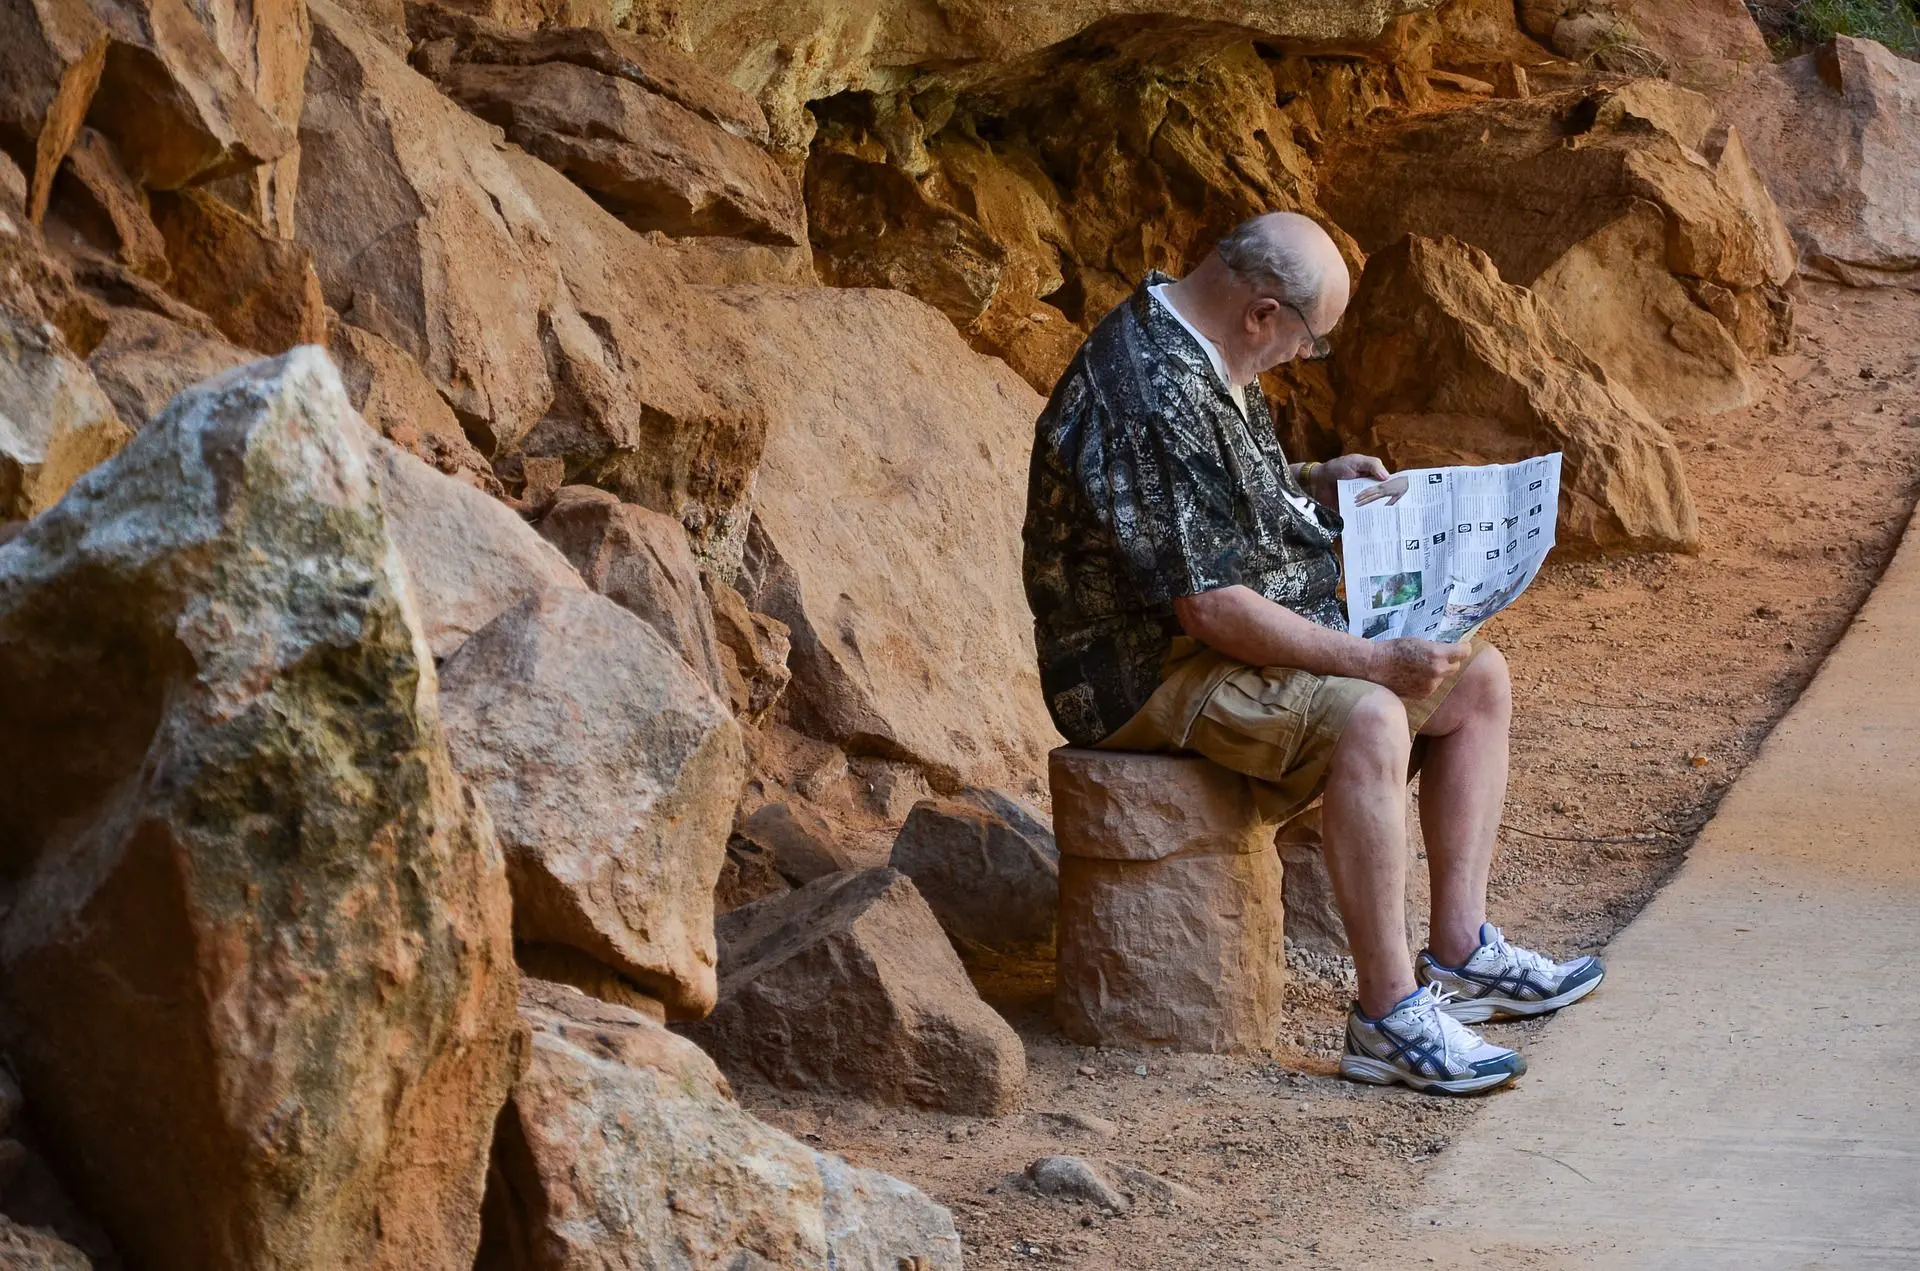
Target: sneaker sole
x=1494 y=1006
x=1377 y=1072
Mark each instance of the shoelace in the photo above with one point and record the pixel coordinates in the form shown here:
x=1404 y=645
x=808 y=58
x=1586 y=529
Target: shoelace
x=1456 y=1039
x=1525 y=959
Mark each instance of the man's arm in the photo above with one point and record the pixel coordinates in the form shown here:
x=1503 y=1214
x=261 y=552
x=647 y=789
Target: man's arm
x=1249 y=628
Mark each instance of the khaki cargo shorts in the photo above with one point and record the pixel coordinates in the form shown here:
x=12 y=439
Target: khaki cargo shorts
x=1274 y=723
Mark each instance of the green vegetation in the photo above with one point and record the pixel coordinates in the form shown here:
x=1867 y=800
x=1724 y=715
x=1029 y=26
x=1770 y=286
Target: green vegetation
x=1892 y=22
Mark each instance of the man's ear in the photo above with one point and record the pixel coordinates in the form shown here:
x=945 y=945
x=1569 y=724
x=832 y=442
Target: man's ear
x=1262 y=311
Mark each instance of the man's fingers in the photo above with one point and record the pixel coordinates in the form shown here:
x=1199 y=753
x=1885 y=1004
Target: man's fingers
x=1371 y=467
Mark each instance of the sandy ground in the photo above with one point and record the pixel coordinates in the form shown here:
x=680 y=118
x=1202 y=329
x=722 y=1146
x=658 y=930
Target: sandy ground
x=1643 y=684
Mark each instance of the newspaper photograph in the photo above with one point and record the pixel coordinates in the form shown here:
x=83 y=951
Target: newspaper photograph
x=1435 y=552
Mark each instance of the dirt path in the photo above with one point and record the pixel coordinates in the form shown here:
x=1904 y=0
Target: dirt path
x=1740 y=1095
x=1645 y=685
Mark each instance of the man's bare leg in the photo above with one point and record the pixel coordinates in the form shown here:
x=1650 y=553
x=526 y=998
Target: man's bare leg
x=1463 y=787
x=1364 y=832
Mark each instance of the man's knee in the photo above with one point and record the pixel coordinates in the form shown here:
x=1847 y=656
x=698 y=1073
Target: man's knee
x=1488 y=687
x=1376 y=741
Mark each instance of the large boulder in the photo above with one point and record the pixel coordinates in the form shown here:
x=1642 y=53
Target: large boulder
x=651 y=161
x=55 y=422
x=1170 y=928
x=621 y=1148
x=96 y=203
x=640 y=560
x=144 y=358
x=398 y=401
x=552 y=329
x=232 y=831
x=886 y=533
x=987 y=868
x=797 y=841
x=1836 y=134
x=468 y=557
x=51 y=56
x=446 y=37
x=848 y=985
x=753 y=651
x=259 y=289
x=1441 y=362
x=1665 y=267
x=611 y=772
x=174 y=105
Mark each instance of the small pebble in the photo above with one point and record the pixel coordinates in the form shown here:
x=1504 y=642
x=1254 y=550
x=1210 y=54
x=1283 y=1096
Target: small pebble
x=1139 y=1070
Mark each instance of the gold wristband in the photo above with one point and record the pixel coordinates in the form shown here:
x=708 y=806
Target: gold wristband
x=1306 y=473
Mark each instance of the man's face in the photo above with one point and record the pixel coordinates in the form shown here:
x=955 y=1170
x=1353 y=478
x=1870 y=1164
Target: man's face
x=1281 y=332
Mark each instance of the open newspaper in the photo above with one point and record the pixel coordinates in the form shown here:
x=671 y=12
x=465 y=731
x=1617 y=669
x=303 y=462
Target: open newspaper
x=1453 y=550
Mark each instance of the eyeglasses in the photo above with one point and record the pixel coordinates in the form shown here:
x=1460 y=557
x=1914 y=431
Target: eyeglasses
x=1322 y=346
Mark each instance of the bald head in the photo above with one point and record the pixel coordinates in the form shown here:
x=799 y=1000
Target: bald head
x=1271 y=288
x=1289 y=257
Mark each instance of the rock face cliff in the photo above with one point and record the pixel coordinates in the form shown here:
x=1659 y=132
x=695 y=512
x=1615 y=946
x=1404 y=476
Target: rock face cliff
x=486 y=483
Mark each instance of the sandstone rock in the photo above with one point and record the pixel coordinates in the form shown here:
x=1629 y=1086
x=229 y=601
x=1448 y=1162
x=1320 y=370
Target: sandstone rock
x=798 y=53
x=144 y=359
x=747 y=875
x=97 y=203
x=260 y=290
x=1599 y=202
x=236 y=835
x=848 y=985
x=1126 y=149
x=397 y=200
x=468 y=557
x=797 y=840
x=653 y=404
x=1443 y=363
x=55 y=423
x=1313 y=914
x=620 y=1147
x=657 y=67
x=563 y=965
x=28 y=1249
x=611 y=774
x=393 y=395
x=550 y=328
x=1703 y=44
x=639 y=559
x=1170 y=904
x=646 y=158
x=54 y=51
x=1072 y=1178
x=753 y=652
x=173 y=105
x=987 y=869
x=267 y=42
x=887 y=533
x=1836 y=134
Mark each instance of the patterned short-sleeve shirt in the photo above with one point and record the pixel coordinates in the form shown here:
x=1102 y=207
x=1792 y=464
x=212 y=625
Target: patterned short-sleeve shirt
x=1147 y=484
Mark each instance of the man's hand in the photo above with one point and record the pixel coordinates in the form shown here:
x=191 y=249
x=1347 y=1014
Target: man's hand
x=1328 y=476
x=1413 y=668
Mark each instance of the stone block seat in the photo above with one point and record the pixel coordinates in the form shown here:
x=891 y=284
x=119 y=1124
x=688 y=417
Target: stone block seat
x=1170 y=908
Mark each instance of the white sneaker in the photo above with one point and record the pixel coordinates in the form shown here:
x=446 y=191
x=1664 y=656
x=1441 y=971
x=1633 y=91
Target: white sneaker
x=1501 y=980
x=1418 y=1044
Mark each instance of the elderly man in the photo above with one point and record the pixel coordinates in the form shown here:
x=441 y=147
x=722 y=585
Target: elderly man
x=1182 y=575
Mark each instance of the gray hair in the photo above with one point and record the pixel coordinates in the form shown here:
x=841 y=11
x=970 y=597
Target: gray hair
x=1261 y=254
